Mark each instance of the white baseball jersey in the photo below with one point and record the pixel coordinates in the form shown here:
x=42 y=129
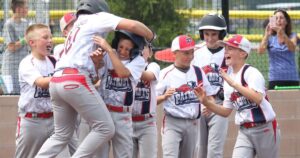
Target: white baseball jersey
x=210 y=63
x=33 y=98
x=248 y=111
x=58 y=51
x=119 y=91
x=183 y=103
x=145 y=93
x=79 y=43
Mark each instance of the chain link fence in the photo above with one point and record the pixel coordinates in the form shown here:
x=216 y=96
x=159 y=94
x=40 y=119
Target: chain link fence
x=245 y=17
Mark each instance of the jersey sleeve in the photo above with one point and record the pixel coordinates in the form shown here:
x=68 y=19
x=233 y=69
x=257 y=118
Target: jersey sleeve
x=154 y=68
x=161 y=87
x=109 y=21
x=227 y=103
x=27 y=72
x=136 y=67
x=107 y=65
x=255 y=80
x=58 y=50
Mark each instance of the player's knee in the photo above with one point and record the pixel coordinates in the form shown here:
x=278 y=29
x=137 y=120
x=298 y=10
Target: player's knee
x=107 y=128
x=63 y=136
x=112 y=130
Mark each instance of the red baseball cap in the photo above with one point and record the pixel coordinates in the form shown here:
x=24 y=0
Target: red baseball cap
x=66 y=20
x=182 y=43
x=238 y=41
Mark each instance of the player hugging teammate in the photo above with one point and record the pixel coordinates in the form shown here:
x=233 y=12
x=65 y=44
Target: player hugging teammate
x=118 y=115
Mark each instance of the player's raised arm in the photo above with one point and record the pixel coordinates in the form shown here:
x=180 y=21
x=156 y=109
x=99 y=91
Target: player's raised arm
x=246 y=91
x=136 y=27
x=121 y=70
x=148 y=75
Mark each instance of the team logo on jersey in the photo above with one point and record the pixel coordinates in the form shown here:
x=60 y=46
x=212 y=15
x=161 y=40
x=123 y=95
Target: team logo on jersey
x=213 y=76
x=114 y=82
x=241 y=102
x=142 y=91
x=41 y=93
x=185 y=95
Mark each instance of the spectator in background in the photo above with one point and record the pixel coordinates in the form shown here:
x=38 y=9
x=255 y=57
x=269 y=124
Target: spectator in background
x=281 y=43
x=15 y=45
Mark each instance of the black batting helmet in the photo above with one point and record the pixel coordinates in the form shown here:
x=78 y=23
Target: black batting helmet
x=91 y=7
x=213 y=21
x=139 y=42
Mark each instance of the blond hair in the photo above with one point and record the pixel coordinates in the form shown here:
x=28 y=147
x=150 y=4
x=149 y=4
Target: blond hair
x=31 y=31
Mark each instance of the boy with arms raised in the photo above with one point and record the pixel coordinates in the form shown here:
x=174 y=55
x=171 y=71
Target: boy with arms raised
x=244 y=91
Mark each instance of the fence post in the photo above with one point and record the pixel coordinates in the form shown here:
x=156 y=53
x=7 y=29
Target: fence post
x=6 y=10
x=225 y=12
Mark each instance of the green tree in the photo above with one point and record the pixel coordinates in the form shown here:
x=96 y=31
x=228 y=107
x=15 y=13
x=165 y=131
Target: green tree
x=159 y=15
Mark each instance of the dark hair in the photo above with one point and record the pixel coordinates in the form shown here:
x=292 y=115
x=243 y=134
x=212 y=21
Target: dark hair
x=265 y=23
x=17 y=3
x=138 y=41
x=288 y=27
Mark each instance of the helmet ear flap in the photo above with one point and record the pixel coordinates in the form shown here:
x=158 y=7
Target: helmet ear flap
x=114 y=43
x=138 y=41
x=222 y=34
x=134 y=52
x=201 y=34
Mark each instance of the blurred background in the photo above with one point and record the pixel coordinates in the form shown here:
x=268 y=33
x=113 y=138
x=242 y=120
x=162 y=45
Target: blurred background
x=168 y=18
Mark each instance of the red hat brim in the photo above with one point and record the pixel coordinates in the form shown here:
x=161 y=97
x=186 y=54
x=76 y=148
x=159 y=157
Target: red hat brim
x=165 y=55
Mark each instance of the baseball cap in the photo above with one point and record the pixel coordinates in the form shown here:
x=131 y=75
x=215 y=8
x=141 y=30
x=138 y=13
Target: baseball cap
x=238 y=41
x=182 y=43
x=66 y=20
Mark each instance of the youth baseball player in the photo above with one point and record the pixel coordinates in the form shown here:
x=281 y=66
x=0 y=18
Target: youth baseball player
x=71 y=88
x=66 y=24
x=122 y=71
x=35 y=121
x=144 y=109
x=210 y=57
x=181 y=106
x=244 y=91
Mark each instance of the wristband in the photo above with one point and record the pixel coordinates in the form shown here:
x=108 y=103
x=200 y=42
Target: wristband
x=153 y=38
x=22 y=41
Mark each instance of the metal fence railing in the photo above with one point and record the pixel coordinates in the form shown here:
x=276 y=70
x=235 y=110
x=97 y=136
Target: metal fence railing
x=245 y=18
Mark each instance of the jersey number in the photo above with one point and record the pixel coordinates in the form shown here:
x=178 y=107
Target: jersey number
x=71 y=38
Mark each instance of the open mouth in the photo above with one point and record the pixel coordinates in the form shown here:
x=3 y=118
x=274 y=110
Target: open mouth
x=49 y=47
x=228 y=58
